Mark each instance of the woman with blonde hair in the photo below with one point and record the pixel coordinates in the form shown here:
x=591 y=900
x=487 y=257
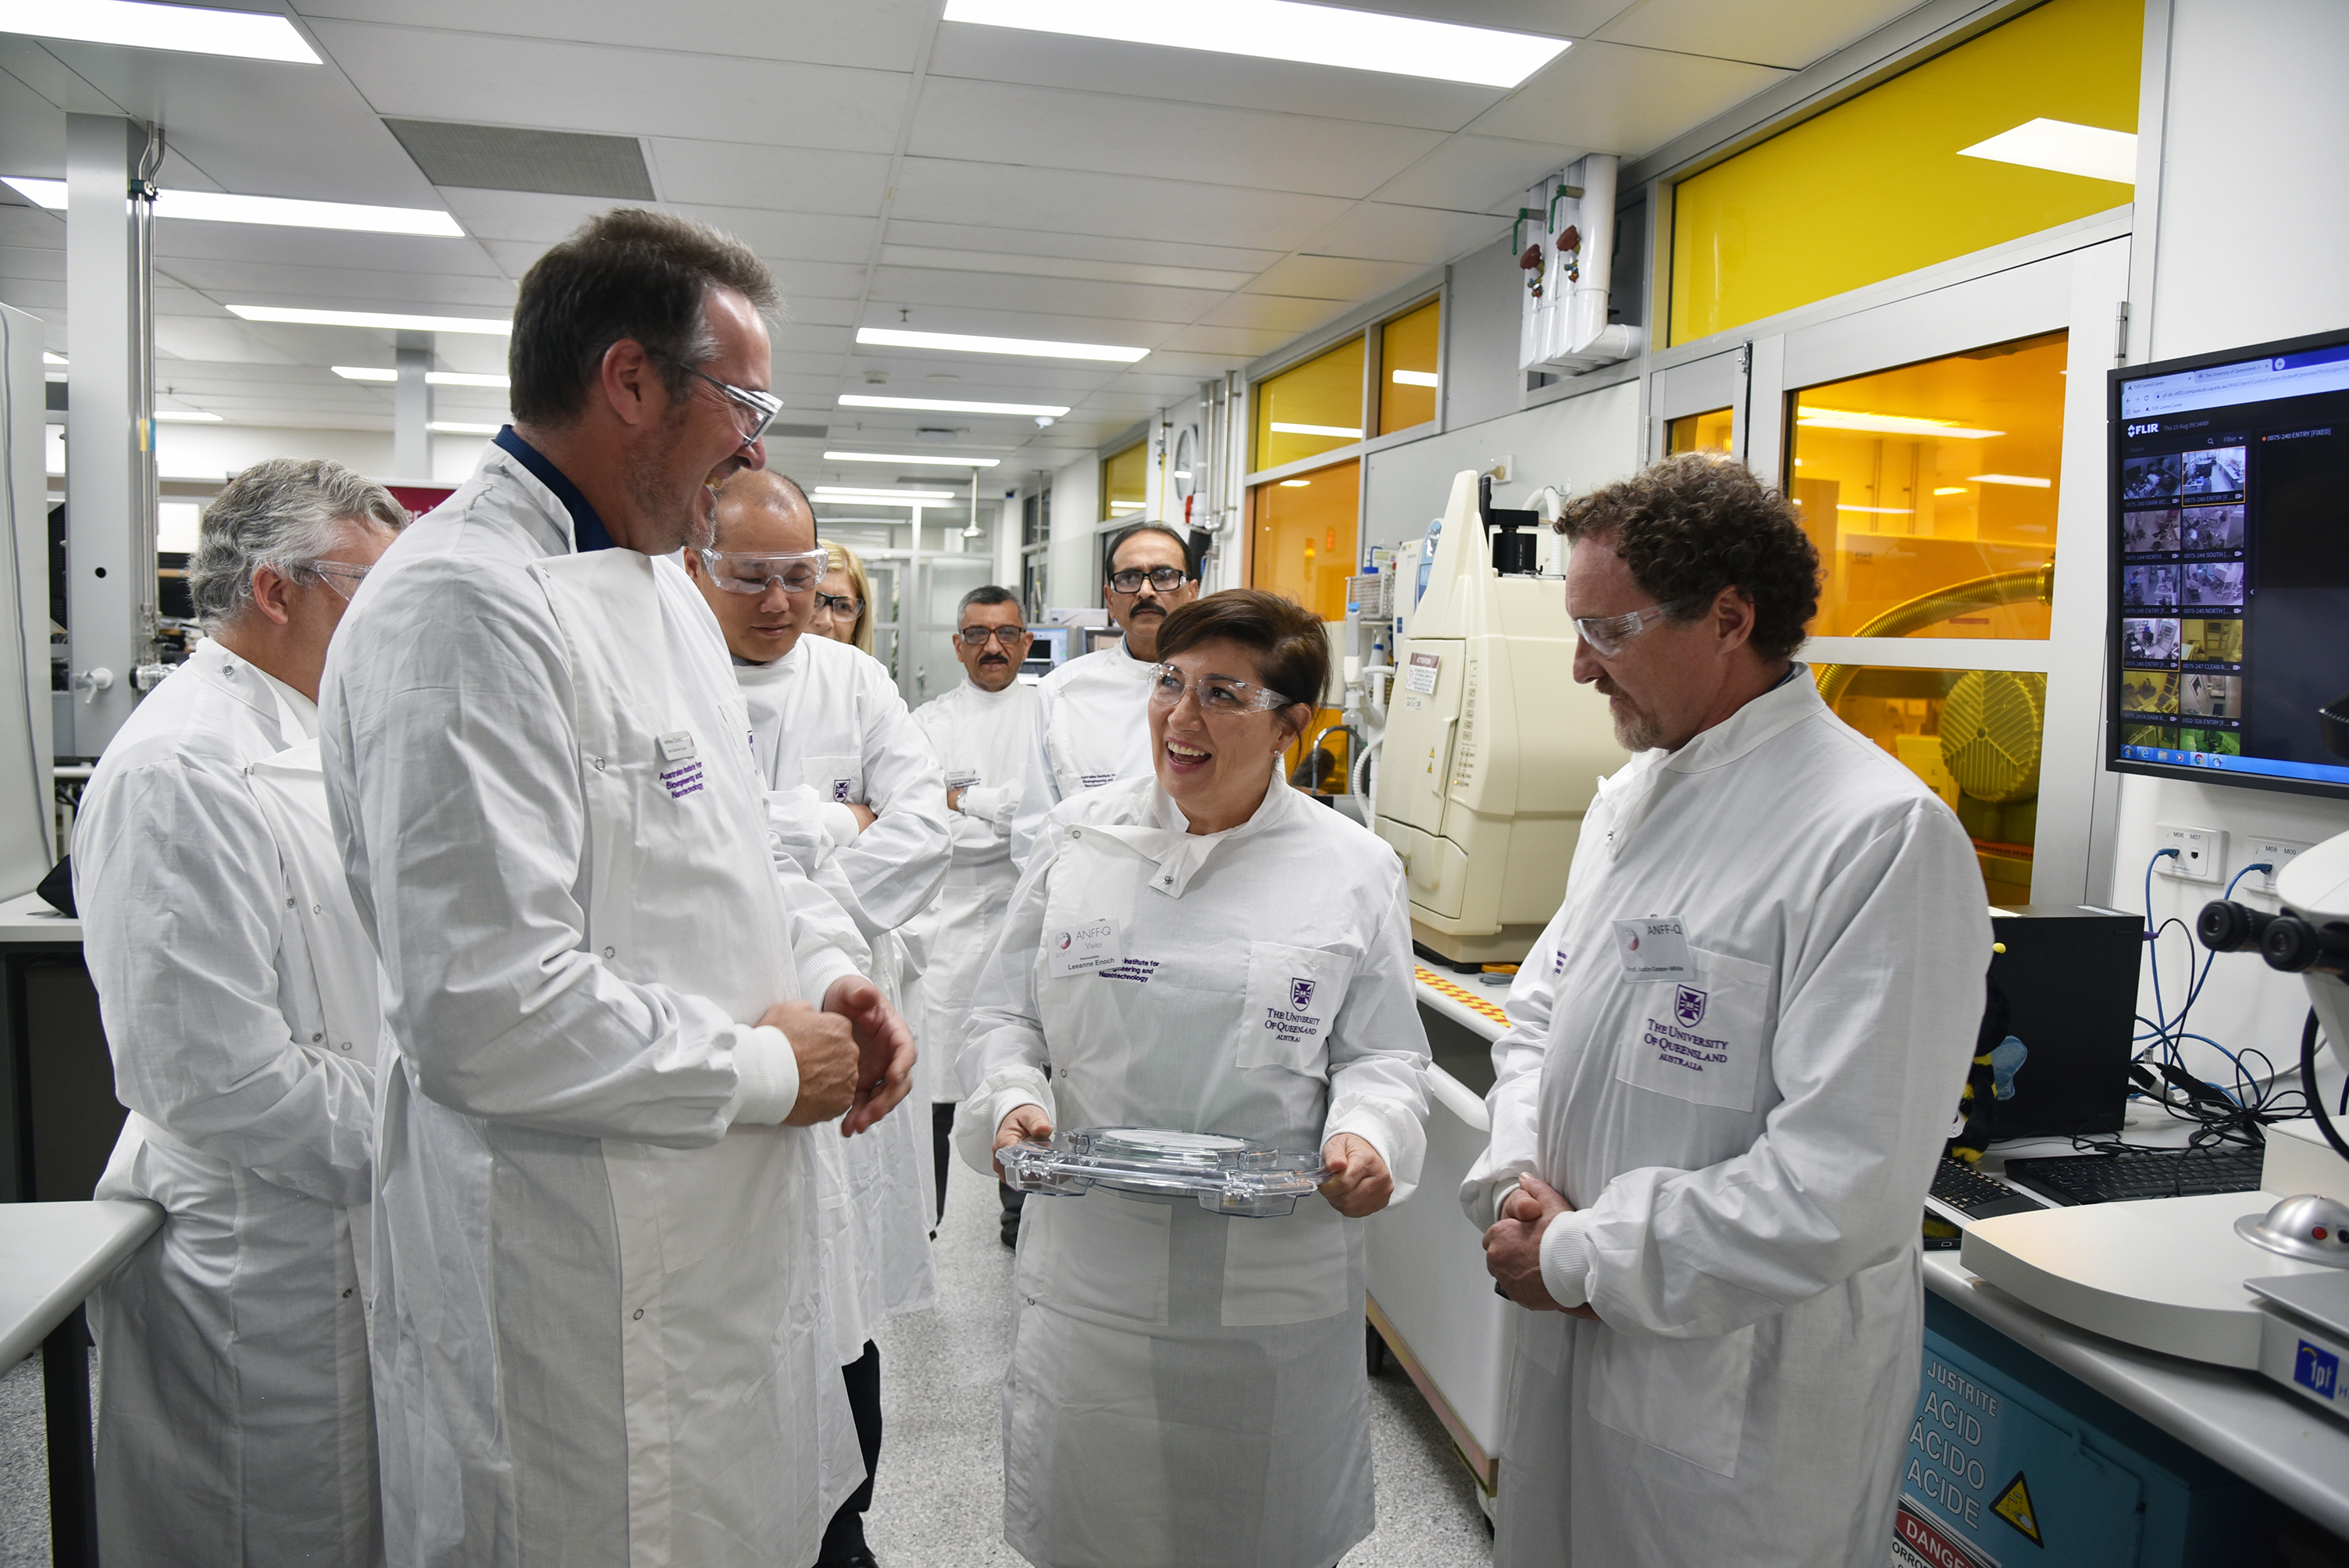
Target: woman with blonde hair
x=842 y=608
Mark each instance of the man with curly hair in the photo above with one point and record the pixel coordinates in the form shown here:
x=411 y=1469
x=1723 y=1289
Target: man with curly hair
x=1729 y=1064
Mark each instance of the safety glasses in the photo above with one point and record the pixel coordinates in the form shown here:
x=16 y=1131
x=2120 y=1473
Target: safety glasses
x=761 y=407
x=1607 y=634
x=739 y=572
x=1214 y=694
x=337 y=574
x=843 y=604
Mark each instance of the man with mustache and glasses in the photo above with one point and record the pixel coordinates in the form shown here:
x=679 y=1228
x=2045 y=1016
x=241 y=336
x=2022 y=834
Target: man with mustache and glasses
x=1092 y=724
x=983 y=731
x=1730 y=1061
x=614 y=1027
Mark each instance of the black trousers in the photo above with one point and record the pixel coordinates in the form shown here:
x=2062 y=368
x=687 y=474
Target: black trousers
x=843 y=1538
x=941 y=1140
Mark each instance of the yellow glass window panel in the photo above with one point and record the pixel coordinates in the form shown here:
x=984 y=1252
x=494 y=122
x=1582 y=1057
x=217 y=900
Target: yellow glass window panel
x=1930 y=493
x=1876 y=186
x=1407 y=369
x=1706 y=432
x=1305 y=530
x=1974 y=738
x=1124 y=481
x=1311 y=409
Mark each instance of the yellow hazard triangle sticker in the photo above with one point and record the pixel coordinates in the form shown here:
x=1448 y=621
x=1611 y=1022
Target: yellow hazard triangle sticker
x=2013 y=1505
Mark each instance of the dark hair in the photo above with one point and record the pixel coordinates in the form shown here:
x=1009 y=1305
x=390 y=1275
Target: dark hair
x=1694 y=524
x=1291 y=648
x=985 y=593
x=627 y=273
x=1118 y=541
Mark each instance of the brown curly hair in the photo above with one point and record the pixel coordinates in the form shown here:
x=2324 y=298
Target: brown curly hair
x=1694 y=524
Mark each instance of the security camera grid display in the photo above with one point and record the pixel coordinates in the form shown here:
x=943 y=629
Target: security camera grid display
x=2230 y=587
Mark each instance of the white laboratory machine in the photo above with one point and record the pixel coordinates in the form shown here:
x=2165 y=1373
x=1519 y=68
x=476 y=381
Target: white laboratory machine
x=1492 y=753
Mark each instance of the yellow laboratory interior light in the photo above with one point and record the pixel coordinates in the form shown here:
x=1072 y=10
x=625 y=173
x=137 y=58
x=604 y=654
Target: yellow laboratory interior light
x=1342 y=432
x=2024 y=479
x=2088 y=150
x=1889 y=424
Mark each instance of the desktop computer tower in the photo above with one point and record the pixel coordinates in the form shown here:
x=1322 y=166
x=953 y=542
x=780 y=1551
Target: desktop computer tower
x=2069 y=977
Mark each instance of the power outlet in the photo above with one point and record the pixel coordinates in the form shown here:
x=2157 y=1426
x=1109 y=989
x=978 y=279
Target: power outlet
x=2276 y=853
x=2202 y=852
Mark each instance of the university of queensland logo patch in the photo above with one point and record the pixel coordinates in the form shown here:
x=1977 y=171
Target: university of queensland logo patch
x=1300 y=994
x=840 y=791
x=1688 y=1006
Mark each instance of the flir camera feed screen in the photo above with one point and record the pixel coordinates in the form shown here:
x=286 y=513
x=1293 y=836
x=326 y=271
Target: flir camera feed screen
x=2229 y=611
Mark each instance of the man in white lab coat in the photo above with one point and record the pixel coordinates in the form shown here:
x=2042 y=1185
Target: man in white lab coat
x=1730 y=1062
x=1092 y=722
x=240 y=1002
x=983 y=731
x=835 y=745
x=598 y=1334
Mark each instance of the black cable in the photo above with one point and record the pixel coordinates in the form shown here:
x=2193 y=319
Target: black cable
x=2308 y=1086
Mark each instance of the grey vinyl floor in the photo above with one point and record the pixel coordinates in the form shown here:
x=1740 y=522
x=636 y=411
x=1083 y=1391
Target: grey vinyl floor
x=938 y=1502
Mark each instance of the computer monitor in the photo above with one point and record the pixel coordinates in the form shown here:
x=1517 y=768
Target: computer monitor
x=2229 y=617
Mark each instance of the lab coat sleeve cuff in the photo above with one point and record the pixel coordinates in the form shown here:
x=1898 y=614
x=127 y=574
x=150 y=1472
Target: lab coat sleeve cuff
x=767 y=1078
x=978 y=1117
x=1566 y=1256
x=839 y=824
x=1387 y=1126
x=992 y=804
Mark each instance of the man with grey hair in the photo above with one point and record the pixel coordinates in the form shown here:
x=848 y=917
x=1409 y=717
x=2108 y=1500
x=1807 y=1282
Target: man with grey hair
x=615 y=1031
x=239 y=997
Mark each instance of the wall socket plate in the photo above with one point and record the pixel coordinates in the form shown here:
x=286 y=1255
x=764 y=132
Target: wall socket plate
x=2277 y=853
x=2201 y=854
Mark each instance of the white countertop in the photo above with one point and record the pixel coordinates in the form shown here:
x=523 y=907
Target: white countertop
x=28 y=918
x=54 y=1254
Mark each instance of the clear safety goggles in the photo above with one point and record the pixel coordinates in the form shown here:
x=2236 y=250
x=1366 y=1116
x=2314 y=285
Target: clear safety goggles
x=1214 y=694
x=739 y=572
x=758 y=409
x=340 y=575
x=1607 y=634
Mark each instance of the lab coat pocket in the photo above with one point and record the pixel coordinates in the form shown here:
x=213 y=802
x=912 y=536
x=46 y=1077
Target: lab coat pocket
x=836 y=778
x=1099 y=1255
x=1686 y=1396
x=1293 y=993
x=1289 y=1269
x=1700 y=1040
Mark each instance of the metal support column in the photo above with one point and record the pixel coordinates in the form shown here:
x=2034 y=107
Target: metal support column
x=109 y=426
x=411 y=408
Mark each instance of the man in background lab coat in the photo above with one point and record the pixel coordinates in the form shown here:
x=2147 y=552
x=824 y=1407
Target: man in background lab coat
x=598 y=1334
x=982 y=731
x=1730 y=1061
x=239 y=996
x=835 y=745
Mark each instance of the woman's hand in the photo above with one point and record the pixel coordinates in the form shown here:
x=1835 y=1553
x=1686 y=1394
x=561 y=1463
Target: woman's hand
x=1026 y=1124
x=1360 y=1183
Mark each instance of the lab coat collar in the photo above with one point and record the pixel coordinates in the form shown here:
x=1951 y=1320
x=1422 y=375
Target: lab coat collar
x=522 y=497
x=296 y=715
x=1166 y=839
x=588 y=530
x=1784 y=705
x=973 y=692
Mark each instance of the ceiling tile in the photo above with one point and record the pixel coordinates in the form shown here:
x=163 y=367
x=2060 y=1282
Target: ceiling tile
x=1334 y=277
x=789 y=236
x=818 y=311
x=32 y=129
x=1791 y=36
x=1212 y=348
x=1274 y=312
x=338 y=288
x=939 y=189
x=1065 y=296
x=807 y=282
x=951 y=259
x=1477 y=174
x=997 y=122
x=882 y=34
x=35 y=66
x=1093 y=247
x=785 y=180
x=264 y=245
x=1550 y=18
x=221 y=340
x=524 y=215
x=424 y=74
x=1611 y=98
x=1381 y=231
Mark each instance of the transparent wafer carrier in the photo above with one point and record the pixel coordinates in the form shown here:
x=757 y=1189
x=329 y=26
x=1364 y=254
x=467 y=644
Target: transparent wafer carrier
x=1226 y=1175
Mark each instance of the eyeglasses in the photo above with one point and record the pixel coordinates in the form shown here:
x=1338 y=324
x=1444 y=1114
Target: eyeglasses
x=762 y=406
x=1607 y=634
x=740 y=572
x=1165 y=579
x=331 y=573
x=1214 y=694
x=840 y=604
x=979 y=636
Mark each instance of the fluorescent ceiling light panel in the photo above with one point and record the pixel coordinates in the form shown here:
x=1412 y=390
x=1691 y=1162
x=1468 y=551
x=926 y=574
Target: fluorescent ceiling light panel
x=2024 y=479
x=947 y=405
x=1415 y=377
x=2088 y=150
x=1886 y=424
x=849 y=492
x=1341 y=431
x=1882 y=510
x=1284 y=30
x=1125 y=506
x=965 y=342
x=185 y=416
x=933 y=460
x=382 y=321
x=1950 y=489
x=182 y=29
x=431 y=378
x=282 y=212
x=459 y=428
x=1295 y=484
x=48 y=358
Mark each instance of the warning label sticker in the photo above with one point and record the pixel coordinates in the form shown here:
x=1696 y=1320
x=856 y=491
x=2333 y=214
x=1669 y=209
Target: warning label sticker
x=2013 y=1505
x=1918 y=1542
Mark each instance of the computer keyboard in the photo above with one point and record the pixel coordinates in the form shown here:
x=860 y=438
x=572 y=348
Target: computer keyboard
x=2134 y=1174
x=1974 y=1195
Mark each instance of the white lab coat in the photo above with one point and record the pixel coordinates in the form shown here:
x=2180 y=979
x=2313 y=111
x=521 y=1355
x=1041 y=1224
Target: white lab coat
x=831 y=730
x=597 y=1336
x=1186 y=1389
x=983 y=739
x=238 y=998
x=1747 y=1149
x=1093 y=728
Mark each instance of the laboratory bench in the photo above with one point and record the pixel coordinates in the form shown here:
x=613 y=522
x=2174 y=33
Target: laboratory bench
x=58 y=1117
x=1432 y=1303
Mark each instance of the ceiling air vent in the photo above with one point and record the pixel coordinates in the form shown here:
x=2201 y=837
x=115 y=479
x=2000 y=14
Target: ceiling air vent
x=501 y=158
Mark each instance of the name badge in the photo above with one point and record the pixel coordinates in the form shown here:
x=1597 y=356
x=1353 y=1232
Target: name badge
x=1084 y=949
x=1653 y=949
x=676 y=746
x=962 y=777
